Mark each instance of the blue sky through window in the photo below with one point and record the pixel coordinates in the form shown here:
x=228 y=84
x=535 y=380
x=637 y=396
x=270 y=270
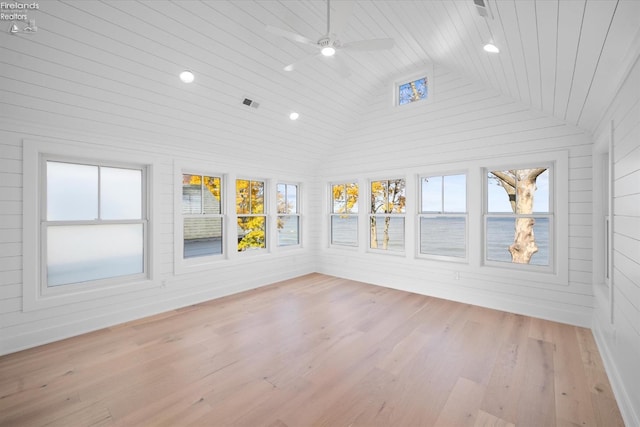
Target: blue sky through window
x=499 y=202
x=442 y=194
x=412 y=91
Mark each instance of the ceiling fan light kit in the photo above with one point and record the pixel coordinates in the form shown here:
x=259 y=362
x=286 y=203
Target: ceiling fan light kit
x=328 y=51
x=187 y=76
x=329 y=44
x=491 y=48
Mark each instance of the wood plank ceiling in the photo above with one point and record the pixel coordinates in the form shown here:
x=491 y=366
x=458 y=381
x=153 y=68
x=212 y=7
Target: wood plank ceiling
x=115 y=63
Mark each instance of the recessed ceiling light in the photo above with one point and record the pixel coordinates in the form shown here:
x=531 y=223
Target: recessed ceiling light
x=328 y=51
x=187 y=76
x=294 y=116
x=491 y=48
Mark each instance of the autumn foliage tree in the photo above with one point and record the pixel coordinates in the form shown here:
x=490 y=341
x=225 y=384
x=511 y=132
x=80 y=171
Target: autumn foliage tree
x=345 y=198
x=250 y=211
x=200 y=199
x=520 y=186
x=387 y=197
x=211 y=183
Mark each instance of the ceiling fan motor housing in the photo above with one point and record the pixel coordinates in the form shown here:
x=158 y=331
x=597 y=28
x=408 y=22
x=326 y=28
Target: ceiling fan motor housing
x=329 y=41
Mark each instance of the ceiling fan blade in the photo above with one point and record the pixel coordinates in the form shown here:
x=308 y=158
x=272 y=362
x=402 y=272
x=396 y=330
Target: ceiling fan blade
x=297 y=64
x=335 y=62
x=340 y=14
x=291 y=35
x=373 y=44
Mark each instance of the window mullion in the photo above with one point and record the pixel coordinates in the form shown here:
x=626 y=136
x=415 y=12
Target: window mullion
x=96 y=222
x=202 y=194
x=99 y=213
x=442 y=194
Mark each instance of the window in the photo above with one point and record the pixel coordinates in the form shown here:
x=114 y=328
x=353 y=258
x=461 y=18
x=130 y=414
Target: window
x=386 y=219
x=416 y=89
x=94 y=223
x=519 y=216
x=202 y=219
x=413 y=91
x=251 y=215
x=344 y=214
x=443 y=216
x=288 y=215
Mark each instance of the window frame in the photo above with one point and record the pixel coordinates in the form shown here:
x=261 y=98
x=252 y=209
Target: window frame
x=428 y=73
x=36 y=293
x=402 y=215
x=45 y=224
x=551 y=215
x=443 y=214
x=205 y=259
x=333 y=214
x=264 y=214
x=297 y=214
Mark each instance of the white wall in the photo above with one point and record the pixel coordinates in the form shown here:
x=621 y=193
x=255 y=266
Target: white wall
x=616 y=322
x=465 y=124
x=23 y=329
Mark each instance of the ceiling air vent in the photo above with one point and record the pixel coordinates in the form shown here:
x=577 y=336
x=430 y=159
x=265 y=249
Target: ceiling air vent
x=482 y=7
x=250 y=103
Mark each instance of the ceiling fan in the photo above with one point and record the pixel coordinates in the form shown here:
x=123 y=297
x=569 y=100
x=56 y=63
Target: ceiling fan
x=329 y=43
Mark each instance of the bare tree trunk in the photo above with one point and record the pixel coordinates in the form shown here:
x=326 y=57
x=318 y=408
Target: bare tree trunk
x=524 y=245
x=385 y=240
x=374 y=233
x=520 y=186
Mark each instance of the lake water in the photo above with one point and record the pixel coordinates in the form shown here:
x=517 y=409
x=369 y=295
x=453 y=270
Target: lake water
x=447 y=236
x=500 y=234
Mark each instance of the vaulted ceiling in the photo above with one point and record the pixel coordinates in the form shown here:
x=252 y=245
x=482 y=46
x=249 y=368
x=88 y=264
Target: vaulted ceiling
x=115 y=64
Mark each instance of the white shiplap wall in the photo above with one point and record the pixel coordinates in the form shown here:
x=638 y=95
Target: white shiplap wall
x=464 y=123
x=23 y=329
x=616 y=322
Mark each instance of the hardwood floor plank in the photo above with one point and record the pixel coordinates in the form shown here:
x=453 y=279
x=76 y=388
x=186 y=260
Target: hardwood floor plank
x=402 y=352
x=536 y=406
x=485 y=419
x=360 y=404
x=508 y=375
x=602 y=395
x=463 y=404
x=315 y=350
x=87 y=415
x=573 y=397
x=542 y=330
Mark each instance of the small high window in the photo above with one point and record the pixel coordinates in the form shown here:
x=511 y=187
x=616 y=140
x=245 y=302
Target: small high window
x=413 y=91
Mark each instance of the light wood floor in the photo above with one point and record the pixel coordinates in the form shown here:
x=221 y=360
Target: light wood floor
x=318 y=351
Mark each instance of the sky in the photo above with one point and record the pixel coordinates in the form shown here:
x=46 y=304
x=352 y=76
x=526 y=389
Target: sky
x=450 y=197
